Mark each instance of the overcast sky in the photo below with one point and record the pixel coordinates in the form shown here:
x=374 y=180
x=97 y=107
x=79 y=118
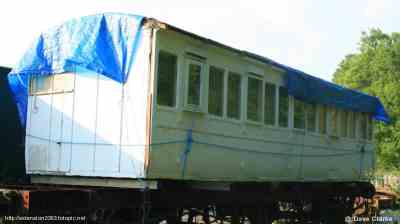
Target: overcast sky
x=313 y=36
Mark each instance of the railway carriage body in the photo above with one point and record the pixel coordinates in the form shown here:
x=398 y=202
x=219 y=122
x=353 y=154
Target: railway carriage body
x=188 y=108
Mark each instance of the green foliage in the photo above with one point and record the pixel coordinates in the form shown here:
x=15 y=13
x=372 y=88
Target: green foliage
x=375 y=70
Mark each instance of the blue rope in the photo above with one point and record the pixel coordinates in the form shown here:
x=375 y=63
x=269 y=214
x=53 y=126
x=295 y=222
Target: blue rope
x=105 y=144
x=272 y=153
x=185 y=153
x=189 y=144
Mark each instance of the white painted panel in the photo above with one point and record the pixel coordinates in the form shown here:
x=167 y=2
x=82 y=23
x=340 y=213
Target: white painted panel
x=40 y=116
x=108 y=127
x=39 y=132
x=84 y=121
x=132 y=161
x=108 y=111
x=65 y=156
x=82 y=159
x=107 y=158
x=55 y=132
x=134 y=118
x=37 y=151
x=67 y=123
x=28 y=131
x=86 y=125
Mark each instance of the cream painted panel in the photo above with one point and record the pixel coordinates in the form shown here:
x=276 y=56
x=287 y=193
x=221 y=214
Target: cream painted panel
x=312 y=156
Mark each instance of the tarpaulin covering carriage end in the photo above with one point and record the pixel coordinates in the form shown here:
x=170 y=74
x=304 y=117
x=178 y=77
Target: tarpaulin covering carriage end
x=107 y=44
x=104 y=43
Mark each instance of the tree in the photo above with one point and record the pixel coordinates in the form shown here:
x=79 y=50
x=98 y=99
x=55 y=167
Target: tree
x=375 y=70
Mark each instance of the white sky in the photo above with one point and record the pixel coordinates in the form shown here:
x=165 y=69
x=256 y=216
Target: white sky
x=310 y=35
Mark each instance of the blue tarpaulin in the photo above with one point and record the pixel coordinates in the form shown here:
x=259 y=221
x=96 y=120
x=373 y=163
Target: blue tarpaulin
x=317 y=91
x=107 y=43
x=104 y=43
x=313 y=90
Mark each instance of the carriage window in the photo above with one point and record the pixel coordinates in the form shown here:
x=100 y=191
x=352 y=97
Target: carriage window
x=343 y=123
x=352 y=124
x=283 y=107
x=166 y=85
x=269 y=104
x=299 y=120
x=370 y=127
x=322 y=119
x=363 y=126
x=41 y=84
x=311 y=113
x=52 y=84
x=254 y=99
x=194 y=86
x=216 y=90
x=333 y=124
x=234 y=94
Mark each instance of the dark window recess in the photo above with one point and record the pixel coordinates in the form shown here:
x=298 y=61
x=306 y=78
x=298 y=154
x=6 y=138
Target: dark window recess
x=166 y=85
x=216 y=91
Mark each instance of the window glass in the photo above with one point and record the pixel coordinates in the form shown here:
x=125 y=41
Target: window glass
x=343 y=123
x=51 y=84
x=333 y=124
x=370 y=127
x=215 y=91
x=166 y=84
x=283 y=107
x=194 y=84
x=41 y=84
x=269 y=104
x=363 y=126
x=322 y=119
x=352 y=125
x=234 y=94
x=311 y=115
x=299 y=120
x=254 y=99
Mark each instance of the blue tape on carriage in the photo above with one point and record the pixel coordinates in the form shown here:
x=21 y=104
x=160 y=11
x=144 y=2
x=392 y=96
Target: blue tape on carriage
x=104 y=43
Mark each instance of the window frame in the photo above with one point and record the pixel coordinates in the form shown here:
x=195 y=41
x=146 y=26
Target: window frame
x=306 y=105
x=322 y=109
x=303 y=104
x=363 y=131
x=333 y=116
x=170 y=52
x=224 y=91
x=370 y=128
x=350 y=124
x=193 y=107
x=279 y=108
x=346 y=113
x=51 y=91
x=261 y=93
x=275 y=103
x=240 y=110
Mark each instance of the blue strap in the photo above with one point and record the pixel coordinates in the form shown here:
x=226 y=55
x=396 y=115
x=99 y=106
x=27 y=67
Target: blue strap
x=185 y=153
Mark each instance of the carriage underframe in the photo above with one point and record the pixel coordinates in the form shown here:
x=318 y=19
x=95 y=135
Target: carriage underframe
x=179 y=202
